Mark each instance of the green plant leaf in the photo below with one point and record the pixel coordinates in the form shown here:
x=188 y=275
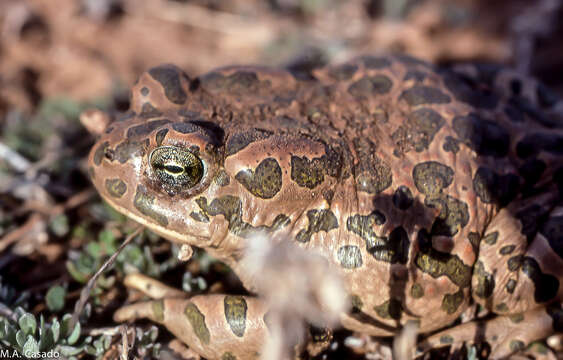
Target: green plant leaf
x=65 y=321
x=94 y=249
x=31 y=346
x=76 y=274
x=21 y=338
x=45 y=335
x=27 y=323
x=10 y=332
x=3 y=329
x=55 y=298
x=73 y=337
x=56 y=330
x=108 y=241
x=66 y=350
x=59 y=225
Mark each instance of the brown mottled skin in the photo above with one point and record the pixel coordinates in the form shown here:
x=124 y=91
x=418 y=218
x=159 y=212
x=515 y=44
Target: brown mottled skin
x=429 y=189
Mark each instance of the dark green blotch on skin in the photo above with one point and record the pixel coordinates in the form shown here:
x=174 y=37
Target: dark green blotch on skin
x=491 y=238
x=157 y=308
x=144 y=202
x=374 y=62
x=129 y=149
x=357 y=303
x=484 y=136
x=516 y=318
x=417 y=76
x=446 y=339
x=185 y=127
x=372 y=174
x=235 y=313
x=425 y=124
x=148 y=111
x=437 y=263
x=507 y=250
x=533 y=144
x=422 y=95
x=517 y=345
x=398 y=247
x=319 y=220
x=451 y=144
x=552 y=229
x=100 y=152
x=431 y=177
x=91 y=173
x=391 y=309
x=307 y=173
x=531 y=217
x=169 y=78
x=200 y=217
x=228 y=356
x=393 y=249
x=452 y=302
x=474 y=239
x=453 y=216
x=485 y=281
x=222 y=178
x=265 y=182
x=197 y=320
x=125 y=116
x=342 y=72
x=510 y=286
x=239 y=141
x=350 y=256
x=190 y=115
x=231 y=208
x=515 y=262
x=115 y=187
x=402 y=198
x=160 y=135
x=467 y=90
x=328 y=195
x=146 y=128
x=546 y=285
x=239 y=83
x=370 y=86
x=491 y=187
x=411 y=61
x=375 y=180
x=417 y=291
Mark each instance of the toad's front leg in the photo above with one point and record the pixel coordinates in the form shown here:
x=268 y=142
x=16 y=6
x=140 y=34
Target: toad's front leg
x=215 y=326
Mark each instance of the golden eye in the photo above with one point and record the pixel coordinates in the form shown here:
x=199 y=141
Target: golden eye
x=176 y=168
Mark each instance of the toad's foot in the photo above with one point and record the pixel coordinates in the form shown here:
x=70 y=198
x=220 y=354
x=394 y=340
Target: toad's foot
x=506 y=335
x=215 y=326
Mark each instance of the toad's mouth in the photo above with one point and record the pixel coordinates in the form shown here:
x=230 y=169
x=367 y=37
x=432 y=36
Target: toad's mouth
x=169 y=234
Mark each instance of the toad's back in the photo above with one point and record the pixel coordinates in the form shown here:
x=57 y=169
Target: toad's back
x=425 y=188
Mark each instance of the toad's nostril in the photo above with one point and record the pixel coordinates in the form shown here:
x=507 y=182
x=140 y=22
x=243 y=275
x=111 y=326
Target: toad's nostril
x=109 y=154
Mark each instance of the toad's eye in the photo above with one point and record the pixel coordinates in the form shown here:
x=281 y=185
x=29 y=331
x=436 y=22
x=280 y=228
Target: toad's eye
x=175 y=167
